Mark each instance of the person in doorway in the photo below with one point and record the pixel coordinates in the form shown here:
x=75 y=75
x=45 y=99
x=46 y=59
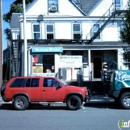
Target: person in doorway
x=80 y=78
x=48 y=71
x=53 y=69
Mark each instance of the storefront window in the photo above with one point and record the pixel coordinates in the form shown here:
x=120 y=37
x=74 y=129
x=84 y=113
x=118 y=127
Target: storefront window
x=42 y=63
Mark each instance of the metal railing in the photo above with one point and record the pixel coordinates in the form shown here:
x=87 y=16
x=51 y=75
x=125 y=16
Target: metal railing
x=96 y=30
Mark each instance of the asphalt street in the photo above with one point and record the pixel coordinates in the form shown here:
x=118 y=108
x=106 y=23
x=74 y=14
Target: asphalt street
x=94 y=116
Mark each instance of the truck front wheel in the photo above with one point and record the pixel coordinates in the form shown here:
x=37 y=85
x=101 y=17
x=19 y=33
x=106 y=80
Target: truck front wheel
x=73 y=102
x=125 y=100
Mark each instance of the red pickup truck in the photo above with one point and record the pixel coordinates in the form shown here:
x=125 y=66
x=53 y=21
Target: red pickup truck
x=25 y=90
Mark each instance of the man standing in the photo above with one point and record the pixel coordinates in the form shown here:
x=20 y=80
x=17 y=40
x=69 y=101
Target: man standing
x=80 y=78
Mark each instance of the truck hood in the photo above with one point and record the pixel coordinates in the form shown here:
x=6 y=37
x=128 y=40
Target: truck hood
x=76 y=88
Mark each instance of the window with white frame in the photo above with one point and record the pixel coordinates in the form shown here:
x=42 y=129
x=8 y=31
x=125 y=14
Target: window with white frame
x=18 y=36
x=76 y=1
x=36 y=31
x=50 y=31
x=76 y=31
x=95 y=30
x=52 y=6
x=118 y=4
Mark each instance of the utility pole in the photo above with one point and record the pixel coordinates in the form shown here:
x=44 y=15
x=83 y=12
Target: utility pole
x=1 y=47
x=25 y=39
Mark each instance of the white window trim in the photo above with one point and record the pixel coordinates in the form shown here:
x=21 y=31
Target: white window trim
x=118 y=6
x=99 y=33
x=53 y=32
x=57 y=5
x=36 y=32
x=76 y=32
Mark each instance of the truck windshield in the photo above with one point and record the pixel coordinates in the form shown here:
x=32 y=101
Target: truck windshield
x=62 y=81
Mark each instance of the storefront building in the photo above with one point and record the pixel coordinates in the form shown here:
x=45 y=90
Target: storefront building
x=68 y=40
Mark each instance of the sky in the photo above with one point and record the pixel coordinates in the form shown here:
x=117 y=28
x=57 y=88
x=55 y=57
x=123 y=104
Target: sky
x=5 y=9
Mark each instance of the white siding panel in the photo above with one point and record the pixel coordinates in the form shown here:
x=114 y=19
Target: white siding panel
x=86 y=27
x=110 y=34
x=63 y=30
x=28 y=31
x=37 y=7
x=101 y=8
x=43 y=31
x=65 y=8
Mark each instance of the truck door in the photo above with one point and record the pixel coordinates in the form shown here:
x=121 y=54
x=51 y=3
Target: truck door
x=32 y=88
x=51 y=90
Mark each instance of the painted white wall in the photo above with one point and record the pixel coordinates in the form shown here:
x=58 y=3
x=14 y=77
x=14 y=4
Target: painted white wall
x=101 y=8
x=86 y=27
x=63 y=30
x=14 y=34
x=110 y=34
x=121 y=66
x=41 y=7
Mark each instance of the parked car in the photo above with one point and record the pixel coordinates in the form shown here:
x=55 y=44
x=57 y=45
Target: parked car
x=25 y=90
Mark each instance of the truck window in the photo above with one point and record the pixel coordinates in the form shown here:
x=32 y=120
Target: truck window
x=35 y=82
x=50 y=82
x=31 y=82
x=17 y=83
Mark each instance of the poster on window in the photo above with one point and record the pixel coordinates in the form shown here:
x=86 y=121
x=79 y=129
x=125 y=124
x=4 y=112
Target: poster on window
x=37 y=69
x=69 y=61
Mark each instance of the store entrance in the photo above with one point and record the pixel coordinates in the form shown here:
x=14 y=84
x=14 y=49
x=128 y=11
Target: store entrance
x=97 y=63
x=48 y=63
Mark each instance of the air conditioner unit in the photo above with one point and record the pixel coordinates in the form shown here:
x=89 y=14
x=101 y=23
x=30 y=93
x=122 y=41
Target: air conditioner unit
x=53 y=8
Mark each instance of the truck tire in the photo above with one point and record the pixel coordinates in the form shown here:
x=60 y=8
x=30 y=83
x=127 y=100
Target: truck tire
x=125 y=100
x=20 y=103
x=73 y=102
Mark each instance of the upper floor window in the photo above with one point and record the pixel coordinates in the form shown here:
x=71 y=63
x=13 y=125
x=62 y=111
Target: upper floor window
x=36 y=31
x=52 y=6
x=17 y=83
x=76 y=31
x=18 y=36
x=76 y=1
x=118 y=4
x=50 y=31
x=95 y=30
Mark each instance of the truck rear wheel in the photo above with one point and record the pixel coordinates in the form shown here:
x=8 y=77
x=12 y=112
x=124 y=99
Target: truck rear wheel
x=73 y=102
x=20 y=103
x=125 y=100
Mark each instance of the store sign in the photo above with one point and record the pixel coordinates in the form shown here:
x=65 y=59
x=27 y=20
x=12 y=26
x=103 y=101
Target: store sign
x=47 y=49
x=70 y=61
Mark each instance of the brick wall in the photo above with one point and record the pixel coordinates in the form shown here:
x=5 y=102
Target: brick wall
x=1 y=43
